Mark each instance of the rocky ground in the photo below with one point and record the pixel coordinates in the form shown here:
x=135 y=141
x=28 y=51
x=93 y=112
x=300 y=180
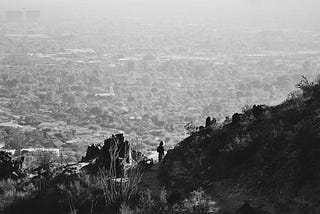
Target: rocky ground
x=151 y=181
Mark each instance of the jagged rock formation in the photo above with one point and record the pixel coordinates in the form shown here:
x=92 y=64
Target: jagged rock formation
x=93 y=151
x=115 y=150
x=274 y=150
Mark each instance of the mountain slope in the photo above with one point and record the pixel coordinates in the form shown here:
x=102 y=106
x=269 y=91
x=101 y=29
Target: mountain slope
x=273 y=151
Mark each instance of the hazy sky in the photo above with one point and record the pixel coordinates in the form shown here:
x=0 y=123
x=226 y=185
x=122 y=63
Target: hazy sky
x=232 y=5
x=171 y=8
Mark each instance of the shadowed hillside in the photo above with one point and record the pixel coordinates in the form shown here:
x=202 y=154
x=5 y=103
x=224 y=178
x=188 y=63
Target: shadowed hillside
x=266 y=155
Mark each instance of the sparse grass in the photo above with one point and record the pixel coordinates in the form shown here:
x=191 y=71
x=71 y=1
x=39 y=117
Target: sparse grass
x=119 y=192
x=94 y=194
x=197 y=203
x=11 y=191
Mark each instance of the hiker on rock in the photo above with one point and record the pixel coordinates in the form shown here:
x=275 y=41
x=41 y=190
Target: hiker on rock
x=160 y=150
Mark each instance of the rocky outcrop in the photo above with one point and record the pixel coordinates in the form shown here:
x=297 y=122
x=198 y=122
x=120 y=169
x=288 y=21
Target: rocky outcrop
x=93 y=151
x=115 y=152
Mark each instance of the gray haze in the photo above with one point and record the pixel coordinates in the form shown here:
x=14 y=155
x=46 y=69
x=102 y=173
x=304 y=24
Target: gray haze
x=288 y=11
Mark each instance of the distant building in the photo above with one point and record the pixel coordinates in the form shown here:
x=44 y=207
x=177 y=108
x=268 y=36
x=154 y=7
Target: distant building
x=104 y=95
x=14 y=16
x=32 y=15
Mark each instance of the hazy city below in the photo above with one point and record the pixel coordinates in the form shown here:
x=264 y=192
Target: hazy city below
x=146 y=68
x=103 y=99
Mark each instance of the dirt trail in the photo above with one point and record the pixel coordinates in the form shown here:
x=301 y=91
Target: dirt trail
x=224 y=196
x=151 y=181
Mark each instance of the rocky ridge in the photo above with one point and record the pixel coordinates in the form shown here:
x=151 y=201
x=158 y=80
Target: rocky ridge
x=268 y=153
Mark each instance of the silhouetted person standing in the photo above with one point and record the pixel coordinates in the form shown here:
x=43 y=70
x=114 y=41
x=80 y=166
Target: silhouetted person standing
x=160 y=150
x=208 y=121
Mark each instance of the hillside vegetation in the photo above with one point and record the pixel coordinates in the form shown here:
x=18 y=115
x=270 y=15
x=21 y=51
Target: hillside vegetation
x=269 y=154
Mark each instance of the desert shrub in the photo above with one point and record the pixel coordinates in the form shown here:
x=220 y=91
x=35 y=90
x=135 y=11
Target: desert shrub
x=82 y=196
x=306 y=86
x=117 y=191
x=295 y=100
x=148 y=204
x=197 y=203
x=294 y=95
x=246 y=108
x=239 y=142
x=190 y=128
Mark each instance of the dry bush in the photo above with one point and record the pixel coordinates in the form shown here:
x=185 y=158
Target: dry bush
x=191 y=128
x=246 y=108
x=306 y=86
x=122 y=191
x=198 y=202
